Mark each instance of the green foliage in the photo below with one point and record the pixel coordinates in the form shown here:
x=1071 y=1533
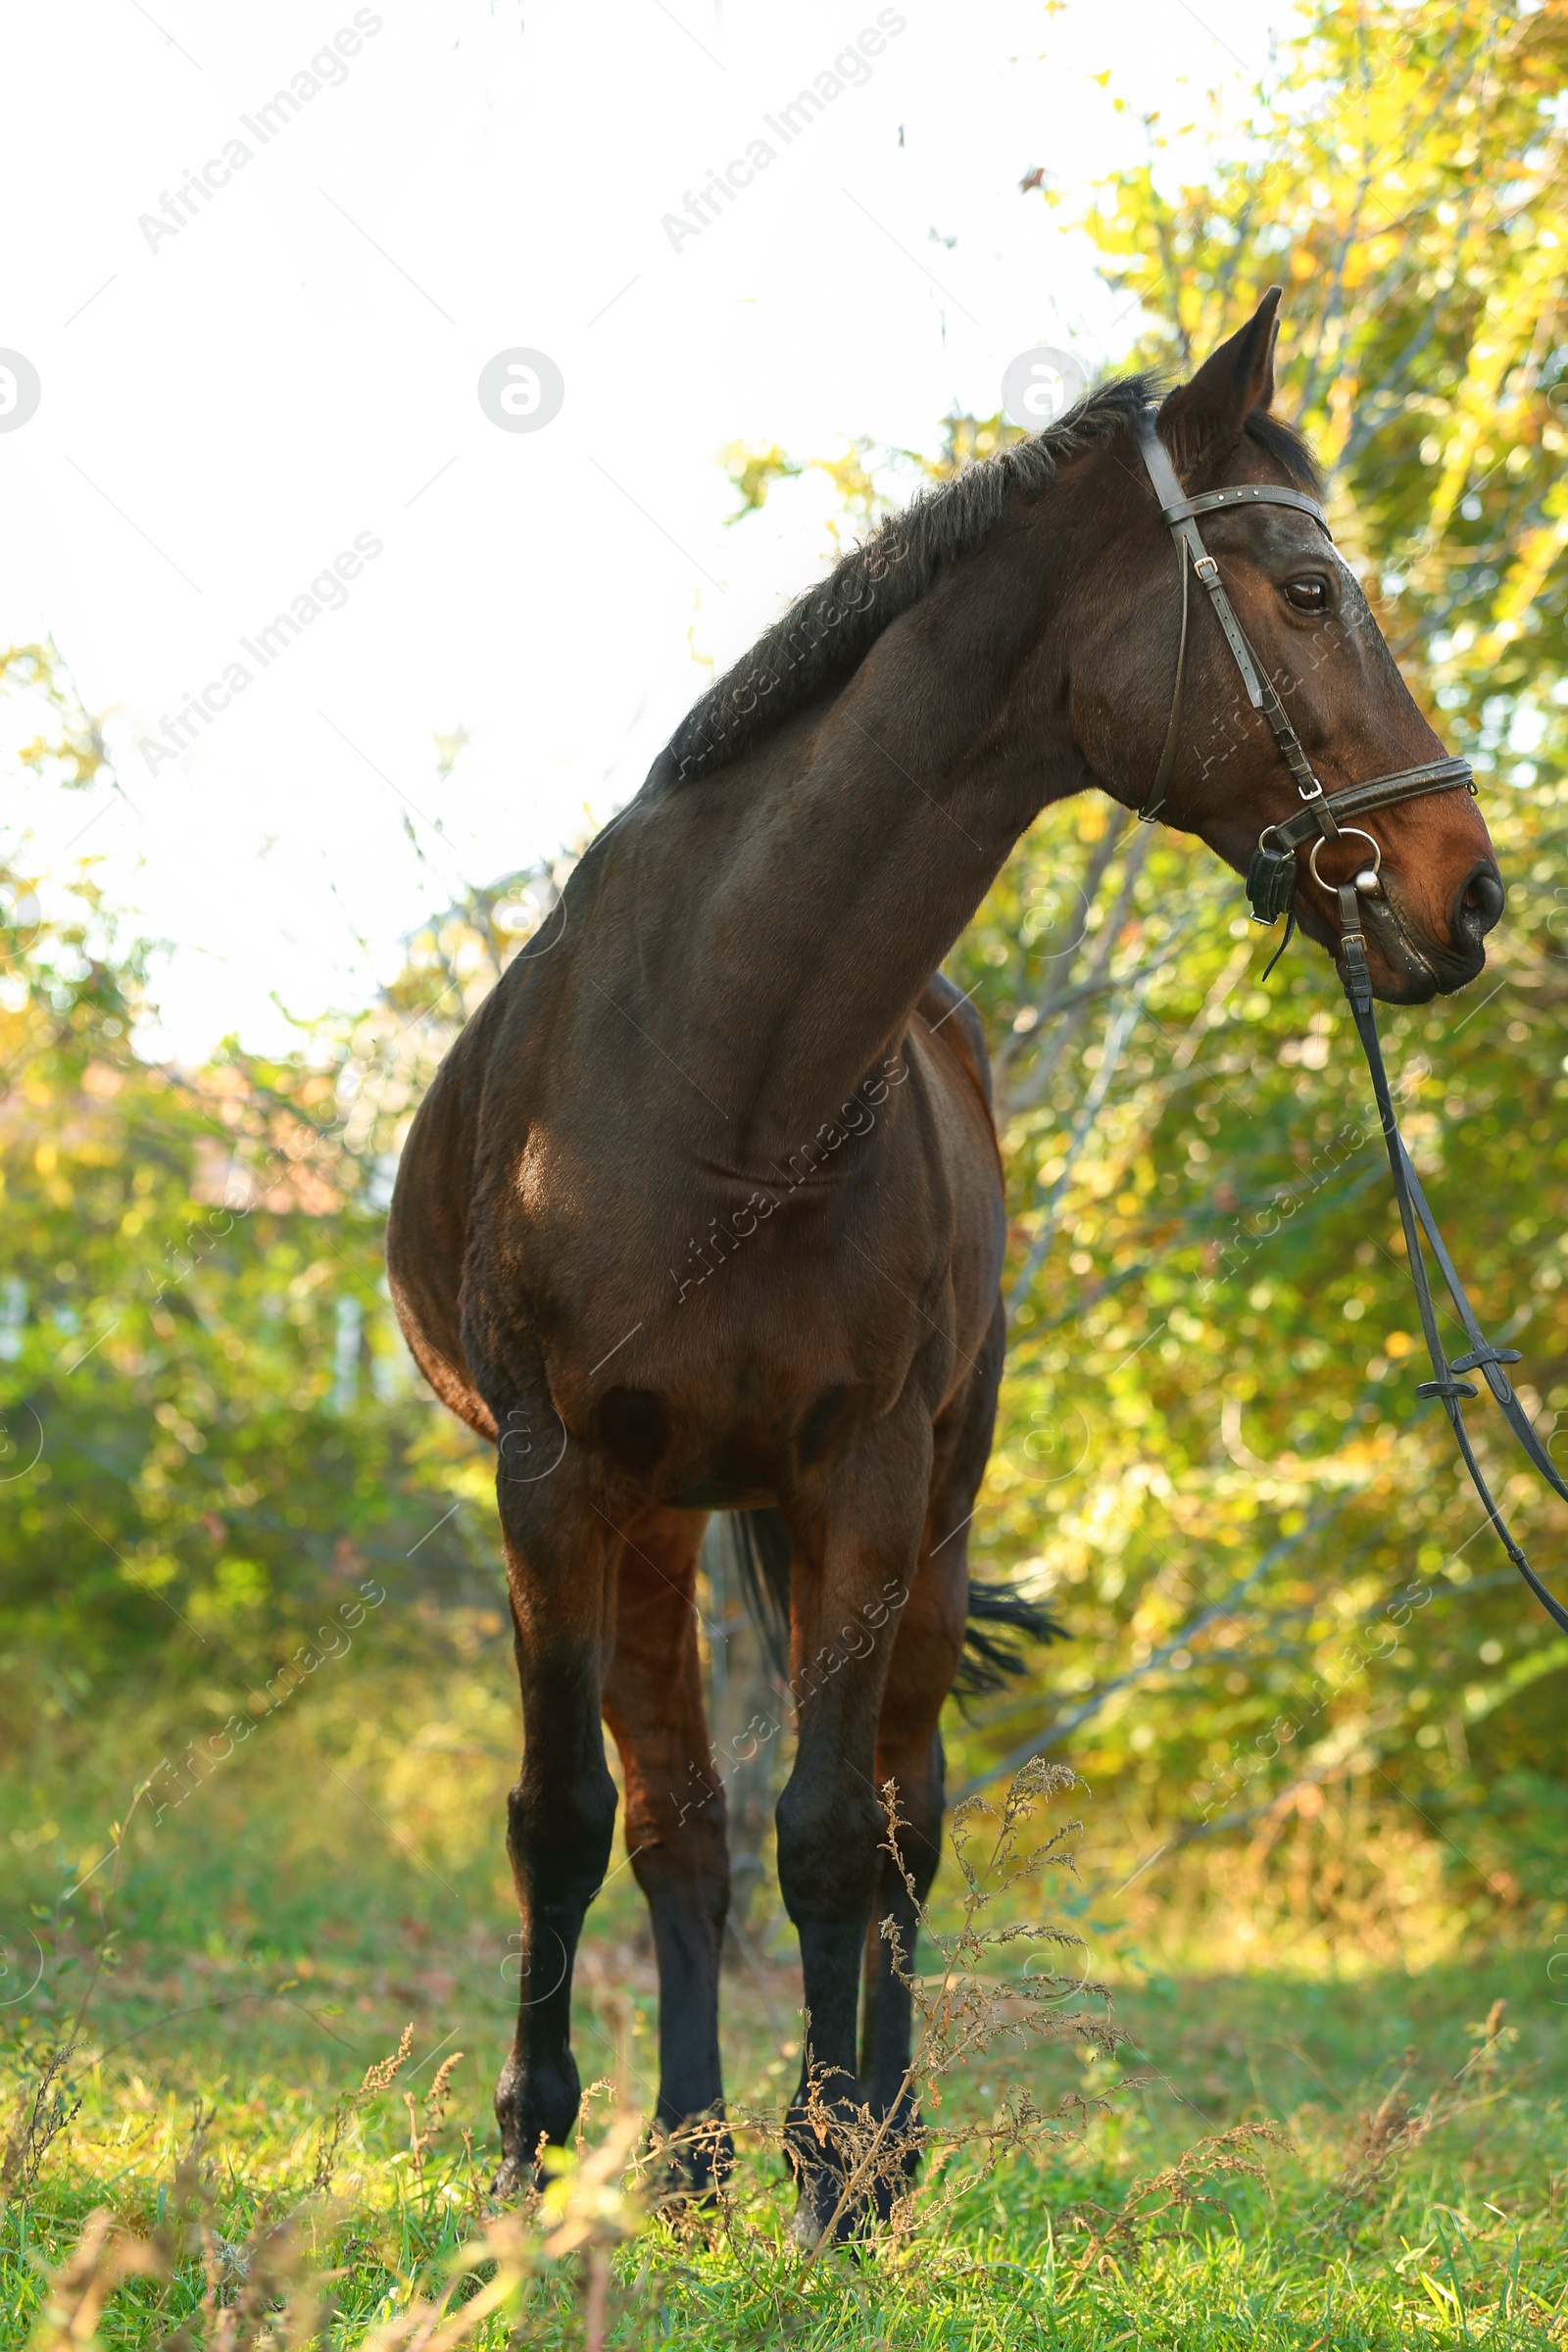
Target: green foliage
x=69 y=749
x=173 y=1442
x=1209 y=1445
x=210 y=1427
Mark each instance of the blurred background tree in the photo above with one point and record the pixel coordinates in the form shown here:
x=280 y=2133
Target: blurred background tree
x=1210 y=1441
x=208 y=1420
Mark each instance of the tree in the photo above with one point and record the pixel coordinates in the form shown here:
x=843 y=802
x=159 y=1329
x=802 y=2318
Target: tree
x=1253 y=1486
x=207 y=1422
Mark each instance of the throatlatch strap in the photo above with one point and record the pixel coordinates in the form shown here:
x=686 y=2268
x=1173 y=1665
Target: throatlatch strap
x=1167 y=758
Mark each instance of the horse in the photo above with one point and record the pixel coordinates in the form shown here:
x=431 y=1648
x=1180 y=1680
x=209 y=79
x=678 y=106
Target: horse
x=703 y=1212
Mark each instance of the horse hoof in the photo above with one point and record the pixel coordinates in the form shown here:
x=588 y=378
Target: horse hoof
x=692 y=2161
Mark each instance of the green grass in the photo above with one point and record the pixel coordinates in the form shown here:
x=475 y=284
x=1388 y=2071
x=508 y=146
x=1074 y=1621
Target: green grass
x=343 y=1878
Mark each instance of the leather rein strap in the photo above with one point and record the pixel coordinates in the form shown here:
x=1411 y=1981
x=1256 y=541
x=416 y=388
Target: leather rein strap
x=1271 y=887
x=1417 y=1219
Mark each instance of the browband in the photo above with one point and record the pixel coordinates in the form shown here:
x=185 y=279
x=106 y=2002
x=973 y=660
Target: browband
x=1266 y=494
x=1177 y=506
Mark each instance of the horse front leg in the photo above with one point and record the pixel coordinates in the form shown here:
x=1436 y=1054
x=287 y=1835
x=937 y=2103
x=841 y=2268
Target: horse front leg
x=908 y=1752
x=857 y=1536
x=926 y=1656
x=560 y=1814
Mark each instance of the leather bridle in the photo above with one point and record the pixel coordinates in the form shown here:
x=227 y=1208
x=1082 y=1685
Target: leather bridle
x=1271 y=887
x=1271 y=876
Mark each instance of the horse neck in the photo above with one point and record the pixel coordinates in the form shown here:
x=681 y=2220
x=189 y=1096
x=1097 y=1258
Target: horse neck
x=867 y=835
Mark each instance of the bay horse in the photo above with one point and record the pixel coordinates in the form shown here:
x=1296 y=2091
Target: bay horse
x=704 y=1209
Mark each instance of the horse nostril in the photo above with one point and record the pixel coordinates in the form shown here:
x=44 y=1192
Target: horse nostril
x=1479 y=905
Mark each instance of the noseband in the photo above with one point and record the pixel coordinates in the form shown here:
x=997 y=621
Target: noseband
x=1270 y=888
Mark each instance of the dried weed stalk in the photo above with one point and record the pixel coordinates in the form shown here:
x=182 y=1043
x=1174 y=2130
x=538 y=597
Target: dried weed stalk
x=102 y=2259
x=1157 y=2206
x=37 y=2122
x=1390 y=2133
x=269 y=2292
x=962 y=2010
x=423 y=2133
x=588 y=2206
x=377 y=2079
x=266 y=2290
x=969 y=2006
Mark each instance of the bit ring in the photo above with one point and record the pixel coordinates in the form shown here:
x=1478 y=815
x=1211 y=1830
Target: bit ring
x=1344 y=833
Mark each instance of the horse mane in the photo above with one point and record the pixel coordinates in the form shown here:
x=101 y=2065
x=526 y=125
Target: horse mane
x=1286 y=446
x=827 y=632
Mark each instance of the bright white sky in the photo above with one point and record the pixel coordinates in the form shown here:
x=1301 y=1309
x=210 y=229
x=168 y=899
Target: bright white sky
x=297 y=366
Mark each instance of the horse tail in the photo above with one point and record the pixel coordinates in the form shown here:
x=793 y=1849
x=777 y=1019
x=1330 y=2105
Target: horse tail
x=993 y=1658
x=1000 y=1620
x=759 y=1545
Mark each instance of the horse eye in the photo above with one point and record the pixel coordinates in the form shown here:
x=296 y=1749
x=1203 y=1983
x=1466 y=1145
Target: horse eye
x=1309 y=596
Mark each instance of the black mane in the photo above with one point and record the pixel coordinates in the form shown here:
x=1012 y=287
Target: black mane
x=829 y=631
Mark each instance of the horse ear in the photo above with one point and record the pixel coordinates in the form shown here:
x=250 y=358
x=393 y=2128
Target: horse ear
x=1202 y=420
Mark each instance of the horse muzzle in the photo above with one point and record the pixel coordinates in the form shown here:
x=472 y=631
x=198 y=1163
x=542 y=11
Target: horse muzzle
x=1418 y=966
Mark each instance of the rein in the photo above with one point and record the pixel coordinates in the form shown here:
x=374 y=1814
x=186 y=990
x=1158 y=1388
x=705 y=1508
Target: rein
x=1271 y=887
